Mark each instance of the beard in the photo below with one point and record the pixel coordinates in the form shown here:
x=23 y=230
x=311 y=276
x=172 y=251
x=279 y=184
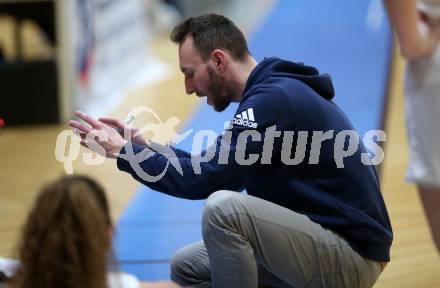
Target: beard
x=217 y=88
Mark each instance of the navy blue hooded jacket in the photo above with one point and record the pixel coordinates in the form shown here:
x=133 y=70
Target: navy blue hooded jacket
x=295 y=100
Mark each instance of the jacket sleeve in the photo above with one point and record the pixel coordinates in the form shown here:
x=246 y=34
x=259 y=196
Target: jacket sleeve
x=224 y=165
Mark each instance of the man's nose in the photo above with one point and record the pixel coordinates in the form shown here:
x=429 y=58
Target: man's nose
x=189 y=87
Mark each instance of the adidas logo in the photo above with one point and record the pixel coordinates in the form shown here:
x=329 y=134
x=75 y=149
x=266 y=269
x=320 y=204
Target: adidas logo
x=245 y=118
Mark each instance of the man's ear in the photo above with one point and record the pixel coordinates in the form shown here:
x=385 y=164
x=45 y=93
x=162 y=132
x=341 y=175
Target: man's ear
x=220 y=60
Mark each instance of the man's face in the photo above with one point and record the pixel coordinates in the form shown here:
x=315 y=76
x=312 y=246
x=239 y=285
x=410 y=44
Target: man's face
x=203 y=78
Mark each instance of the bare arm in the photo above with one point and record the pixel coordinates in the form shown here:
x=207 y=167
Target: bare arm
x=415 y=37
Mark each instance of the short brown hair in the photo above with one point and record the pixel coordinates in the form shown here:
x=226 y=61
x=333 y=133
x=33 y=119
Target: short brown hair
x=212 y=31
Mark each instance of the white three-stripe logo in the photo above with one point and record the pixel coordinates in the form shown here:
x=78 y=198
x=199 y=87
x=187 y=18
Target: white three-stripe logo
x=247 y=115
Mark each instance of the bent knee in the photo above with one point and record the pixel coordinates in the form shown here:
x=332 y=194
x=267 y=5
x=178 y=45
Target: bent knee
x=220 y=206
x=189 y=265
x=177 y=266
x=222 y=198
x=180 y=265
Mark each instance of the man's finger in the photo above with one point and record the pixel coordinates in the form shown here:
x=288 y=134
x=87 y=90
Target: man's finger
x=111 y=121
x=436 y=30
x=83 y=143
x=80 y=134
x=79 y=126
x=87 y=118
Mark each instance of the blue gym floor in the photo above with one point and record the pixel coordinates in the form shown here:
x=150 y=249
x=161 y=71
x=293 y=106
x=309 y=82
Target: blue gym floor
x=350 y=40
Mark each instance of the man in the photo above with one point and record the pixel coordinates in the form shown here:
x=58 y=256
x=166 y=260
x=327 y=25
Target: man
x=303 y=223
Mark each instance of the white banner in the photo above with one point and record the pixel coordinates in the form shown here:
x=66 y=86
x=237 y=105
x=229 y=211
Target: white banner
x=107 y=52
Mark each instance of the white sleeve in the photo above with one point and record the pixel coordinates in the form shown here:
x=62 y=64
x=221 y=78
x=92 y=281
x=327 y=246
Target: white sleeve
x=122 y=280
x=9 y=266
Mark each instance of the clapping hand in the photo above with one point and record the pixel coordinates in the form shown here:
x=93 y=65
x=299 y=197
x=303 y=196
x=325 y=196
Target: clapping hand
x=133 y=133
x=98 y=136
